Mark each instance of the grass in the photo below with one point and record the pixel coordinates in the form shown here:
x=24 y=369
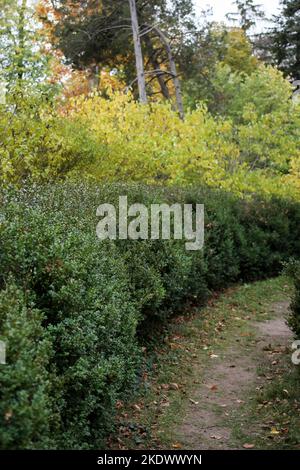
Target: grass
x=174 y=369
x=273 y=414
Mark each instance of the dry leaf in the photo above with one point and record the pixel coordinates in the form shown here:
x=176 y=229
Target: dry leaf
x=165 y=404
x=175 y=346
x=174 y=386
x=165 y=386
x=176 y=445
x=248 y=446
x=218 y=438
x=193 y=401
x=213 y=388
x=274 y=432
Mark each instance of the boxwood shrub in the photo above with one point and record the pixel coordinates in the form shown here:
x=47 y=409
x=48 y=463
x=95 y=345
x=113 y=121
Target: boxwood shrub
x=72 y=307
x=293 y=269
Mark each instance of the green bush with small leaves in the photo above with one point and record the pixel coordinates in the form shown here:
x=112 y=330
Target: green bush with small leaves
x=293 y=269
x=74 y=310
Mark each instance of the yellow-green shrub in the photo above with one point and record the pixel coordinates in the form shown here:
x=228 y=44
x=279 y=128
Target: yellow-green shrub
x=37 y=142
x=151 y=144
x=253 y=147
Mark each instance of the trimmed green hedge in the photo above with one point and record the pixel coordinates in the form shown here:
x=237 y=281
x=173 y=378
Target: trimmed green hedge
x=293 y=269
x=71 y=305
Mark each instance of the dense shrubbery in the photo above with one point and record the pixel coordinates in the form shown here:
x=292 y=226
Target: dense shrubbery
x=74 y=311
x=38 y=143
x=251 y=144
x=70 y=305
x=293 y=269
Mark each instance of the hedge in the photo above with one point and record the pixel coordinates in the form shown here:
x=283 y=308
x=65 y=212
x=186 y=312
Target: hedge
x=72 y=307
x=293 y=269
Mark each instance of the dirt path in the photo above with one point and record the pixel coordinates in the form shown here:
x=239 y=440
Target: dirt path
x=222 y=378
x=231 y=380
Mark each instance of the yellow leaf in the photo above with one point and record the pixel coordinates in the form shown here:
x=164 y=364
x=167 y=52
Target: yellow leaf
x=274 y=432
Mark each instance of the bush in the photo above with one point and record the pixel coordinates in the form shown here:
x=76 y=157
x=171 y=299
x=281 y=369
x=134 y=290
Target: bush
x=250 y=148
x=293 y=269
x=38 y=143
x=26 y=403
x=80 y=286
x=72 y=308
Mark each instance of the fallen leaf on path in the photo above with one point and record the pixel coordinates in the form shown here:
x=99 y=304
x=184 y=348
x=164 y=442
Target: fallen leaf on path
x=218 y=438
x=213 y=356
x=248 y=446
x=213 y=388
x=193 y=401
x=274 y=432
x=165 y=386
x=137 y=408
x=175 y=346
x=176 y=445
x=174 y=386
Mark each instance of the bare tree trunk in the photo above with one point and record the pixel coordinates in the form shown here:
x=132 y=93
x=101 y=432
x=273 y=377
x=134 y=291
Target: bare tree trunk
x=138 y=53
x=20 y=52
x=173 y=70
x=156 y=66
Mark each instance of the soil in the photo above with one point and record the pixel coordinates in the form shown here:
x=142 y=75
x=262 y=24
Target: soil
x=230 y=381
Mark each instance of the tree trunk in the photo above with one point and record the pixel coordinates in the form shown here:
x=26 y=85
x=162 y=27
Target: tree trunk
x=21 y=41
x=138 y=53
x=173 y=70
x=156 y=66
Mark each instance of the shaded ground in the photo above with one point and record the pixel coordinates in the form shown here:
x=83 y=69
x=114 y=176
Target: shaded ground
x=219 y=378
x=227 y=384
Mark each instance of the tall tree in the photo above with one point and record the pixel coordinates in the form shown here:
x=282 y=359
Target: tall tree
x=98 y=33
x=286 y=39
x=21 y=61
x=216 y=45
x=138 y=52
x=248 y=13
